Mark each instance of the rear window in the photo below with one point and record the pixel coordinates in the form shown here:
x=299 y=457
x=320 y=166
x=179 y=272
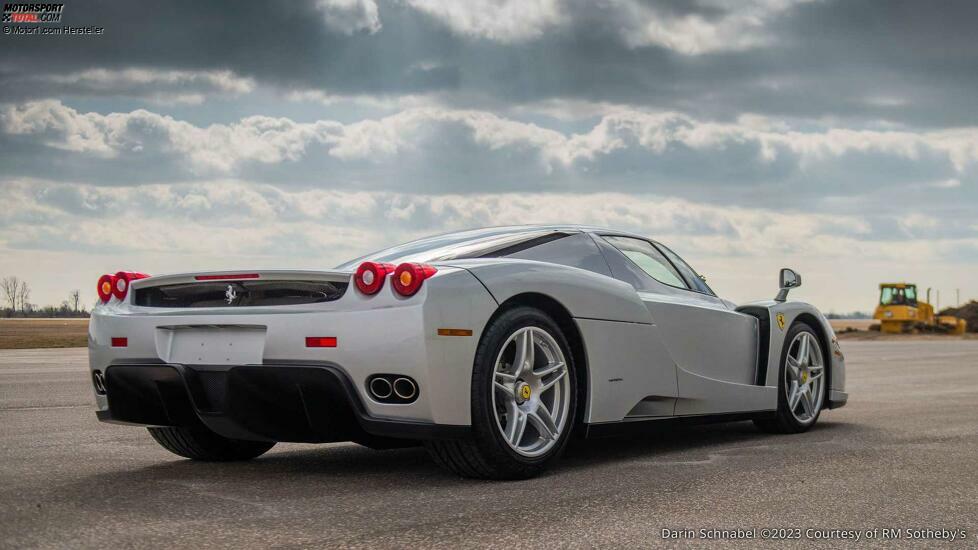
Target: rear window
x=450 y=247
x=577 y=250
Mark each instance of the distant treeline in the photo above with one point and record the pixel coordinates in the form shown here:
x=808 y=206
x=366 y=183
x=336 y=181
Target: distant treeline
x=852 y=315
x=49 y=311
x=15 y=294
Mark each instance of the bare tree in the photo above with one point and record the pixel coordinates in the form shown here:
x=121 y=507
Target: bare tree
x=74 y=298
x=24 y=294
x=10 y=286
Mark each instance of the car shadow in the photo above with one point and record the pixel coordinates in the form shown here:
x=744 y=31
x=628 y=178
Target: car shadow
x=298 y=473
x=340 y=466
x=693 y=442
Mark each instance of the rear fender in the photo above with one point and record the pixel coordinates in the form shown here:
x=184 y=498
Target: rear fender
x=585 y=294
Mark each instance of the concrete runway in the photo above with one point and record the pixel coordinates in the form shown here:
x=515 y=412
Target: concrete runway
x=902 y=454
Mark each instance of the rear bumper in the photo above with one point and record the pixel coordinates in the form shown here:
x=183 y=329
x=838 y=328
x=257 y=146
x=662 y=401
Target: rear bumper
x=310 y=403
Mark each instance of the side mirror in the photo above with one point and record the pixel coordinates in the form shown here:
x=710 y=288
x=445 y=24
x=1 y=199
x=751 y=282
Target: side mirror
x=788 y=279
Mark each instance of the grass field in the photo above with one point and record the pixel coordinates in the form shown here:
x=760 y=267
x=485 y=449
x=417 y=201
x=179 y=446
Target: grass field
x=43 y=333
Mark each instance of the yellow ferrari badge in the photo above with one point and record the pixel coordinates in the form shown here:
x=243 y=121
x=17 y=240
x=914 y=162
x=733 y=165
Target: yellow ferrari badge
x=781 y=321
x=525 y=392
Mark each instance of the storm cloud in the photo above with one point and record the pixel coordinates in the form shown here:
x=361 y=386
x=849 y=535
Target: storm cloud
x=773 y=126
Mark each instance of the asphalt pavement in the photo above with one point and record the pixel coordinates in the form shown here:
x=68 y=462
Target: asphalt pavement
x=903 y=455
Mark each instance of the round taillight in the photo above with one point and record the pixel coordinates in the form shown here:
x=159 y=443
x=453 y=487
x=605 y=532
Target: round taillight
x=106 y=284
x=121 y=286
x=408 y=277
x=122 y=280
x=370 y=276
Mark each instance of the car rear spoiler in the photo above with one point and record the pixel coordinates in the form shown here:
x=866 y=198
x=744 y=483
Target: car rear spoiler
x=243 y=274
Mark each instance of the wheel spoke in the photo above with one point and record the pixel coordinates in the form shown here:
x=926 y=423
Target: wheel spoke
x=506 y=389
x=552 y=367
x=504 y=378
x=524 y=352
x=516 y=427
x=812 y=351
x=793 y=369
x=553 y=380
x=806 y=401
x=803 y=350
x=794 y=395
x=543 y=422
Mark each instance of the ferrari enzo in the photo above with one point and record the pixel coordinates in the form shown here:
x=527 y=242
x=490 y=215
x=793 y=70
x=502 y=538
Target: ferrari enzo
x=492 y=348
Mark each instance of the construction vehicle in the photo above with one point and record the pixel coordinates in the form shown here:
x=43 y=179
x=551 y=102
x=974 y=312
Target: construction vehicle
x=899 y=311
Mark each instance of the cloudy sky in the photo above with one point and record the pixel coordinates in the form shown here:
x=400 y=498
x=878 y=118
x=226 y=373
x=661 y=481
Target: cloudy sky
x=836 y=137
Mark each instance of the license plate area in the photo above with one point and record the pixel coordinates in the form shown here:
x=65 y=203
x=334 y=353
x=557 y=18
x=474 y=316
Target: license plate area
x=211 y=345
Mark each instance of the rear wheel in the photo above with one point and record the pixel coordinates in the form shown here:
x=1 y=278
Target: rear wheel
x=202 y=444
x=523 y=400
x=801 y=383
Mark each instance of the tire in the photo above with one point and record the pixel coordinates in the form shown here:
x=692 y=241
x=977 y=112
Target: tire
x=488 y=454
x=787 y=419
x=202 y=444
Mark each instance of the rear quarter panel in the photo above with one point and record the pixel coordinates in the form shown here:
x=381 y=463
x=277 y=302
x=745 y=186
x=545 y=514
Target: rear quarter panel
x=584 y=293
x=626 y=359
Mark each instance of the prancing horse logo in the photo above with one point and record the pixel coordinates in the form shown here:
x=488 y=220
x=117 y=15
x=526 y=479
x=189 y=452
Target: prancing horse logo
x=230 y=295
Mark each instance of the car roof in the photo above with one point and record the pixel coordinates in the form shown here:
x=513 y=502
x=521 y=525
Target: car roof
x=534 y=228
x=445 y=244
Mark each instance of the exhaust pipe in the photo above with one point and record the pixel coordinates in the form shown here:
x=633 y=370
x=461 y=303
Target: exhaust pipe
x=405 y=388
x=98 y=380
x=381 y=388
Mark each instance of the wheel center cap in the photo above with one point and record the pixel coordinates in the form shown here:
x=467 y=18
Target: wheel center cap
x=523 y=392
x=804 y=376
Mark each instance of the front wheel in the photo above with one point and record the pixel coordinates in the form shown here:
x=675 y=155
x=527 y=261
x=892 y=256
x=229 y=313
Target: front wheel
x=202 y=444
x=523 y=400
x=801 y=383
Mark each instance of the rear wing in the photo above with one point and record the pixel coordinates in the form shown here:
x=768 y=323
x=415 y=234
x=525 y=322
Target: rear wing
x=243 y=275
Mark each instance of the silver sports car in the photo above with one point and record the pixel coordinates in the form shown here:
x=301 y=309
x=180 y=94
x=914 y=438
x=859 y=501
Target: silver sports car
x=491 y=347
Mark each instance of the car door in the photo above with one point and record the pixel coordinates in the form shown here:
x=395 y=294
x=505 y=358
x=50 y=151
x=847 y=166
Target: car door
x=714 y=347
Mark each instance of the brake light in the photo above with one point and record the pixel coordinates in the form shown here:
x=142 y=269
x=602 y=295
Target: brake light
x=118 y=342
x=105 y=285
x=226 y=277
x=408 y=277
x=370 y=276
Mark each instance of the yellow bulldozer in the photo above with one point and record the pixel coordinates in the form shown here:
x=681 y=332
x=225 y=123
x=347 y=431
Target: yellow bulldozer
x=899 y=311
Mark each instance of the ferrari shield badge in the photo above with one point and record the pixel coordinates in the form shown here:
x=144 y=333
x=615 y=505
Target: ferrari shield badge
x=781 y=321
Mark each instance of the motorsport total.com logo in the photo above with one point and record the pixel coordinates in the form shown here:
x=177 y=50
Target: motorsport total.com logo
x=32 y=13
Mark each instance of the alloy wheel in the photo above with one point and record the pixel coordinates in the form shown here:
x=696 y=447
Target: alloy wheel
x=531 y=391
x=804 y=377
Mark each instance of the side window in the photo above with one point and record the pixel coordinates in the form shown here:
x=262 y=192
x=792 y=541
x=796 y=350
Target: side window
x=649 y=259
x=692 y=277
x=576 y=250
